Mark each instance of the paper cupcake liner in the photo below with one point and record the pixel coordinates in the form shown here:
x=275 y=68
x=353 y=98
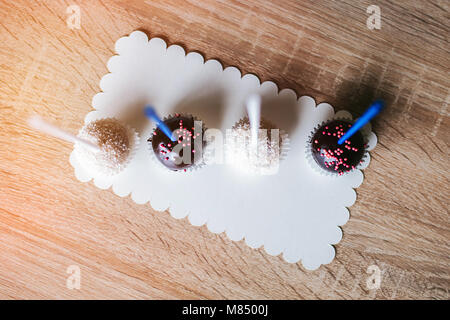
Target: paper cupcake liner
x=195 y=166
x=284 y=148
x=315 y=166
x=87 y=158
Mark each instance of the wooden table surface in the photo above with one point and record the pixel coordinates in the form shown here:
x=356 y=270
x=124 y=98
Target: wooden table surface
x=400 y=222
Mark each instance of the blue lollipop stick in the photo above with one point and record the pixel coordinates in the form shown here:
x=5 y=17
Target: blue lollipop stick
x=151 y=113
x=371 y=112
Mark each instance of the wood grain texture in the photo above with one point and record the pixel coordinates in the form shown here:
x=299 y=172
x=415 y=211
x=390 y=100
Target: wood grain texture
x=400 y=222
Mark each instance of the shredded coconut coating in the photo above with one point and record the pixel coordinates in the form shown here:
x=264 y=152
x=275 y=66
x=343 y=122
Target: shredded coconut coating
x=264 y=159
x=113 y=139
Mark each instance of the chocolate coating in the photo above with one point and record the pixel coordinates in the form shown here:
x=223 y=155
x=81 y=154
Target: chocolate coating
x=333 y=157
x=171 y=153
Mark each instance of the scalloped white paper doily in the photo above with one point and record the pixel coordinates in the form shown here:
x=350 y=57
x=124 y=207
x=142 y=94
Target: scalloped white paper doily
x=296 y=213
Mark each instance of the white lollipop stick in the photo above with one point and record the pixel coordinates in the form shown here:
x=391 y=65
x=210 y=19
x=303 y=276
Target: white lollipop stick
x=41 y=125
x=254 y=115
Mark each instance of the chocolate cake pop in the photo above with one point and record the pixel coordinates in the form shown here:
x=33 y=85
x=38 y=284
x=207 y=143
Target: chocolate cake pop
x=332 y=157
x=186 y=151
